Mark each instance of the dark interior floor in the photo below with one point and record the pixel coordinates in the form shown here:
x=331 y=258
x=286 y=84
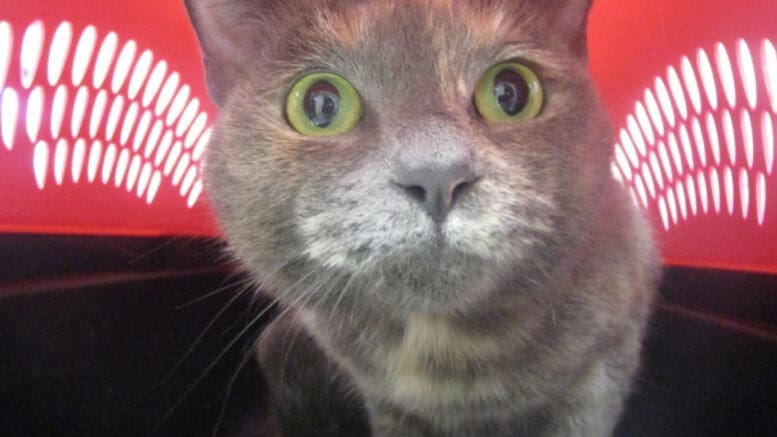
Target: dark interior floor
x=136 y=337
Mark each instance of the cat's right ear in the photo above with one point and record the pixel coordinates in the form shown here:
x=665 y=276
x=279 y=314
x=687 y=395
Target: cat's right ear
x=229 y=32
x=569 y=19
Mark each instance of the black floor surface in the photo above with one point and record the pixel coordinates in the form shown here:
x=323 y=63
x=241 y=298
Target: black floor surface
x=122 y=337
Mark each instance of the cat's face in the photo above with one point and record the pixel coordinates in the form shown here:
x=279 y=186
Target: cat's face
x=424 y=204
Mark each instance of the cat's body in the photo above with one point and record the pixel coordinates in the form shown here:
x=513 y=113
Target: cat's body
x=517 y=307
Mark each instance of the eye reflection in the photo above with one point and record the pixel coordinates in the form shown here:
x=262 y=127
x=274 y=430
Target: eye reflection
x=511 y=91
x=322 y=101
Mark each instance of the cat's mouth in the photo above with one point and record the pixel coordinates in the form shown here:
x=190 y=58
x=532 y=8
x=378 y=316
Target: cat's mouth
x=396 y=249
x=432 y=277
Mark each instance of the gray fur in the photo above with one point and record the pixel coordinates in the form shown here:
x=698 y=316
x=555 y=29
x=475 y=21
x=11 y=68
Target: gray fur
x=521 y=313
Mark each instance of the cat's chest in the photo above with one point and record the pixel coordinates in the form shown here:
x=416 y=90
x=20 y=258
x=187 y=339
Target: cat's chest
x=435 y=363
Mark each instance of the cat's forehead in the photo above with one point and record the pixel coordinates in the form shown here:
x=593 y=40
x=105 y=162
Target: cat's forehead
x=420 y=41
x=440 y=22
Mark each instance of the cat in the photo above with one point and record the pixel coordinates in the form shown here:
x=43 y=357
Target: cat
x=424 y=187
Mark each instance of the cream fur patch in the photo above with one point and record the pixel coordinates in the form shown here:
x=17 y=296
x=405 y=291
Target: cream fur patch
x=427 y=336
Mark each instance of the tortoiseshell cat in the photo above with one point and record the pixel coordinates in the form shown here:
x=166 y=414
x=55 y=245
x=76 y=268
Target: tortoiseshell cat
x=424 y=185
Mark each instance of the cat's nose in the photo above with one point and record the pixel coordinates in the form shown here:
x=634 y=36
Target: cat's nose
x=437 y=189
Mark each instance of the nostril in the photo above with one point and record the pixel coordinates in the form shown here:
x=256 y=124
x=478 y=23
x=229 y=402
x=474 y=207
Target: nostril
x=416 y=192
x=461 y=188
x=436 y=190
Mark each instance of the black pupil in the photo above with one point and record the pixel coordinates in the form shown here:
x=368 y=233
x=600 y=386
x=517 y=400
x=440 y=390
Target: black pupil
x=511 y=91
x=321 y=103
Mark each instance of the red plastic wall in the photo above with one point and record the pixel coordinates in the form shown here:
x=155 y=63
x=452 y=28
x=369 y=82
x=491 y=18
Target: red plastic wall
x=159 y=44
x=636 y=42
x=691 y=86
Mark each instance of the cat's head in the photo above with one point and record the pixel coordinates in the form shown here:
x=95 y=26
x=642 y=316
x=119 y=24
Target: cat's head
x=408 y=154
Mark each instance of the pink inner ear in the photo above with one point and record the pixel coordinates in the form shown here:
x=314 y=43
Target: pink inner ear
x=223 y=34
x=574 y=14
x=228 y=34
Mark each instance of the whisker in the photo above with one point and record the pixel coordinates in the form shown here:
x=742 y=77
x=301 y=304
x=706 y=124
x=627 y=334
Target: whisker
x=341 y=295
x=195 y=343
x=213 y=293
x=297 y=283
x=246 y=289
x=221 y=355
x=289 y=347
x=153 y=250
x=230 y=385
x=310 y=293
x=210 y=366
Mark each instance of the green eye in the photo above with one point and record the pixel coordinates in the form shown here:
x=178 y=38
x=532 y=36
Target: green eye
x=323 y=104
x=508 y=93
